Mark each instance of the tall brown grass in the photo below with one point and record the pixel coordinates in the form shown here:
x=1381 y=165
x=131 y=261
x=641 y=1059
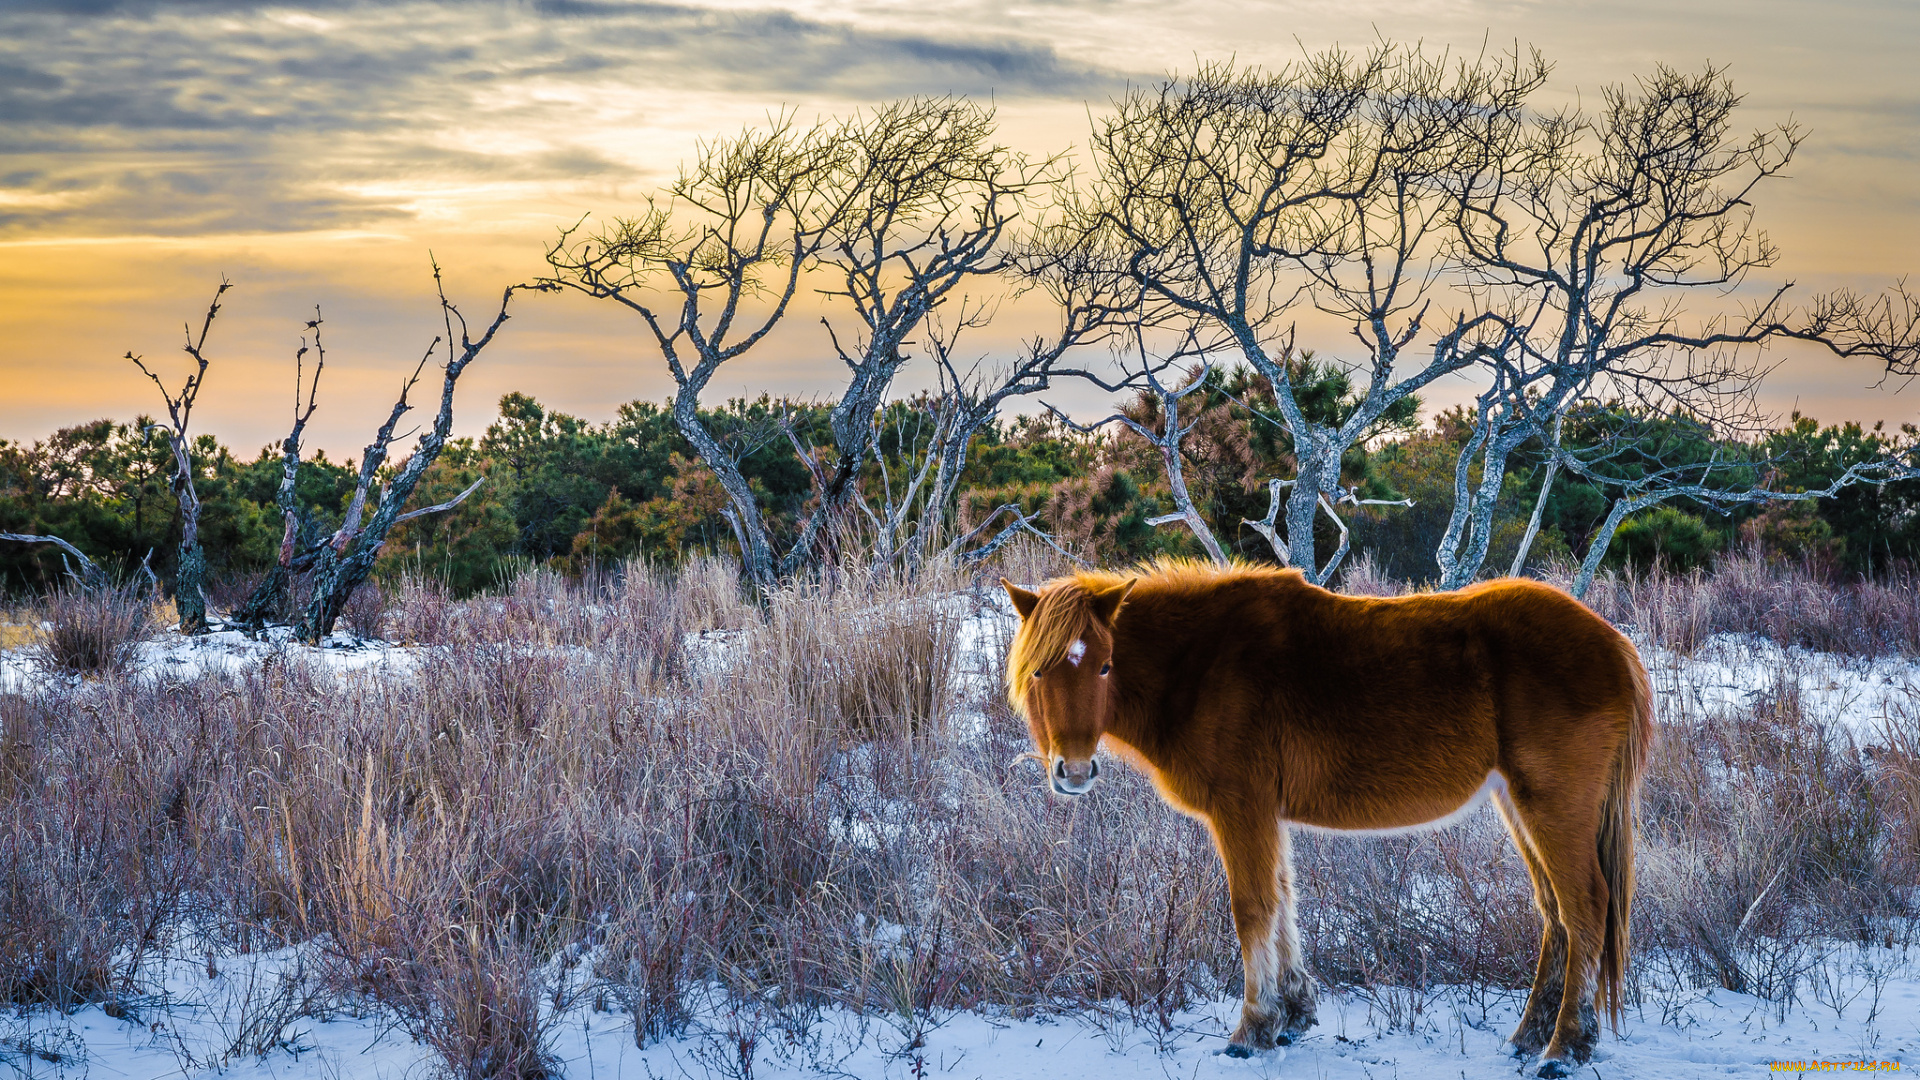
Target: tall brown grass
x=1747 y=594
x=725 y=817
x=94 y=631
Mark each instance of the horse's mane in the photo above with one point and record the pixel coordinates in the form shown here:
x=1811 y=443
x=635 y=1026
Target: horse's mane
x=1065 y=608
x=1060 y=617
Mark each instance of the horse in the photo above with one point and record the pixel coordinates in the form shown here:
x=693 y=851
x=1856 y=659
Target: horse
x=1257 y=702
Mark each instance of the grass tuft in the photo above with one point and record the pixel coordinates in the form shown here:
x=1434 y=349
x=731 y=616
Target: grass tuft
x=94 y=632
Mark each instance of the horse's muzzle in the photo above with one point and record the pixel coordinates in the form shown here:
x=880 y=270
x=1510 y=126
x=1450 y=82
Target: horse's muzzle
x=1074 y=778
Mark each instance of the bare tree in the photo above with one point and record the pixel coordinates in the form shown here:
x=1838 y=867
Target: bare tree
x=1237 y=199
x=1540 y=501
x=190 y=570
x=894 y=212
x=1584 y=237
x=1164 y=399
x=1089 y=308
x=270 y=596
x=932 y=201
x=739 y=226
x=374 y=509
x=1341 y=496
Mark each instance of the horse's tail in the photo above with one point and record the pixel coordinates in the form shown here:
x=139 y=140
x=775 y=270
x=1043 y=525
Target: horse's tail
x=1617 y=815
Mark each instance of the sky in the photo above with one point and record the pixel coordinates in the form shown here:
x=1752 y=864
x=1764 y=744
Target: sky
x=321 y=154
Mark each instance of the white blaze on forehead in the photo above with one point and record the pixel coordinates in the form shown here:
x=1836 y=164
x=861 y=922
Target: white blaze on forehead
x=1076 y=652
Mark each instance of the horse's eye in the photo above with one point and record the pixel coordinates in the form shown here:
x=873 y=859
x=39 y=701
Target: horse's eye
x=1106 y=667
x=1036 y=674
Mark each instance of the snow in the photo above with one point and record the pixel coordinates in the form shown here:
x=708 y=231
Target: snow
x=1446 y=1032
x=228 y=652
x=1740 y=671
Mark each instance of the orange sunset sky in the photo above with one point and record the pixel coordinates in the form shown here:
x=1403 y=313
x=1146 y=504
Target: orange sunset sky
x=317 y=153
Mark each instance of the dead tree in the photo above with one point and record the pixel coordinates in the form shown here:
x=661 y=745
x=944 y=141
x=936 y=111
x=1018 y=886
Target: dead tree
x=269 y=598
x=1341 y=496
x=190 y=569
x=348 y=556
x=933 y=202
x=966 y=400
x=1540 y=501
x=1166 y=436
x=1585 y=237
x=893 y=214
x=1237 y=199
x=736 y=230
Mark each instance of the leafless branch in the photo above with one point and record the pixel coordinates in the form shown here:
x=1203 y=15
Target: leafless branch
x=89 y=576
x=440 y=508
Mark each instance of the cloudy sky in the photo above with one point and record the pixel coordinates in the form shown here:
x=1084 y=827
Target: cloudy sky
x=316 y=154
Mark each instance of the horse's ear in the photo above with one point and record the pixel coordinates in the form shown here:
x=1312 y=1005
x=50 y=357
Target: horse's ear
x=1106 y=605
x=1023 y=601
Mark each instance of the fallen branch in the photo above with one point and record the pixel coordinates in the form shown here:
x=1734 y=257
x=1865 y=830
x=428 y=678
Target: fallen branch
x=89 y=577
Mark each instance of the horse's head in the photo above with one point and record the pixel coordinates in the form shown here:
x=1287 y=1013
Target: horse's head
x=1059 y=674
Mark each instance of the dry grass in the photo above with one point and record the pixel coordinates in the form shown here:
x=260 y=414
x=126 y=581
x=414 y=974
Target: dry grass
x=93 y=632
x=1746 y=594
x=725 y=819
x=1771 y=837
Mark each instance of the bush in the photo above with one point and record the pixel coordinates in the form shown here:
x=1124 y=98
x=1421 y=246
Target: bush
x=1665 y=537
x=1749 y=594
x=94 y=632
x=365 y=611
x=1764 y=843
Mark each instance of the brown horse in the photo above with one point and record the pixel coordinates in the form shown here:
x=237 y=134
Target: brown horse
x=1257 y=701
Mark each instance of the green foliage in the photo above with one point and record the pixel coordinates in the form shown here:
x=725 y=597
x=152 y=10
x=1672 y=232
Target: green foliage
x=569 y=493
x=1667 y=537
x=1874 y=528
x=1794 y=532
x=104 y=488
x=470 y=547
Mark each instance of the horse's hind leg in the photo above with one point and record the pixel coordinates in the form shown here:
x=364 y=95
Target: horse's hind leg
x=1298 y=995
x=1564 y=827
x=1549 y=973
x=1280 y=997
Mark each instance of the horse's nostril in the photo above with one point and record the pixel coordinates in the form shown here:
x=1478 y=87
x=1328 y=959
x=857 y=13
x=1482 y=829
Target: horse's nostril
x=1060 y=768
x=1093 y=770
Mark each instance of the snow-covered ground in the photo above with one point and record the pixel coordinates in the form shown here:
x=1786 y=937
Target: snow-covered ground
x=190 y=1029
x=1866 y=1007
x=1739 y=671
x=172 y=657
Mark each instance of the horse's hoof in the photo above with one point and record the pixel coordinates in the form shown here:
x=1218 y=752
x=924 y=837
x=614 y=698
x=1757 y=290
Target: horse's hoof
x=1239 y=1050
x=1283 y=1039
x=1554 y=1067
x=1516 y=1051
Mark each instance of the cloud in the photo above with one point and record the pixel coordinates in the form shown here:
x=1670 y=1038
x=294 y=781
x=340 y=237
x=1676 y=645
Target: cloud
x=209 y=115
x=783 y=52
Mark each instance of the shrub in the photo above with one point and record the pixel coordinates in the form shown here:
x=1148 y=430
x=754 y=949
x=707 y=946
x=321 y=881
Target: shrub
x=365 y=611
x=1764 y=842
x=94 y=632
x=1747 y=594
x=1666 y=537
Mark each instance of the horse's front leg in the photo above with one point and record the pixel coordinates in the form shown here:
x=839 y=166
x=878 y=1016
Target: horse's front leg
x=1280 y=995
